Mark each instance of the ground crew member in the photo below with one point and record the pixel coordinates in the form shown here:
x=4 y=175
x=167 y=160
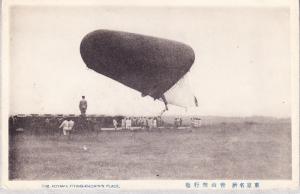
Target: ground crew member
x=83 y=106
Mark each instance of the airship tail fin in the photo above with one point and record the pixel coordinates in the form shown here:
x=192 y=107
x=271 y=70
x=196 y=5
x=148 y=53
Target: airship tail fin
x=196 y=101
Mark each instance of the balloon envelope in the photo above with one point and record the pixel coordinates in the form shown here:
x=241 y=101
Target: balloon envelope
x=147 y=64
x=181 y=94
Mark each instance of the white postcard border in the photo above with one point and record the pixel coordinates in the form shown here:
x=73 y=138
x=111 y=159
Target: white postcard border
x=151 y=184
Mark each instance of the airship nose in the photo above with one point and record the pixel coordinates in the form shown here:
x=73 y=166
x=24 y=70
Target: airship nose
x=86 y=50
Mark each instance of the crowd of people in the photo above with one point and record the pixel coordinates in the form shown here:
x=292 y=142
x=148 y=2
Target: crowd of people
x=88 y=123
x=137 y=122
x=177 y=122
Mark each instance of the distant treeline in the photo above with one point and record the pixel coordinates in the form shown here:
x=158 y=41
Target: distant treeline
x=50 y=123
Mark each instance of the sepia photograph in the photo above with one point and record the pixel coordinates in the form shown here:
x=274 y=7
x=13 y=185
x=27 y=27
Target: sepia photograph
x=151 y=93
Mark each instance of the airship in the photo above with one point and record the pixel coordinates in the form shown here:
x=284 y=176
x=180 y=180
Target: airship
x=153 y=66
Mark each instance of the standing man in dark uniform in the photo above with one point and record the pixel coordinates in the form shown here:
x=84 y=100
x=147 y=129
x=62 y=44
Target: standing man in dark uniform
x=82 y=122
x=83 y=106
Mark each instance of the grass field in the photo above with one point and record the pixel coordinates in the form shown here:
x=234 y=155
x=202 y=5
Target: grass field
x=221 y=150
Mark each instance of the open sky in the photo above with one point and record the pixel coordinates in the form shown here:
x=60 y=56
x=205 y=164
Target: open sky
x=242 y=65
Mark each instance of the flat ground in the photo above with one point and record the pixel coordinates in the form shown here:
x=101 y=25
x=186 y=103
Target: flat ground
x=224 y=150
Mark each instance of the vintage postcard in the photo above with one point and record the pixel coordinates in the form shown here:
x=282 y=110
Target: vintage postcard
x=150 y=95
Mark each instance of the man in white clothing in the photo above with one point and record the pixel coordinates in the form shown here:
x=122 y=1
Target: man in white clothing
x=115 y=124
x=65 y=126
x=71 y=124
x=154 y=123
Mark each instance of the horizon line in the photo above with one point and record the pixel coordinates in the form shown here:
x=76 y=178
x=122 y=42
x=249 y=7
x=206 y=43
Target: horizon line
x=143 y=115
